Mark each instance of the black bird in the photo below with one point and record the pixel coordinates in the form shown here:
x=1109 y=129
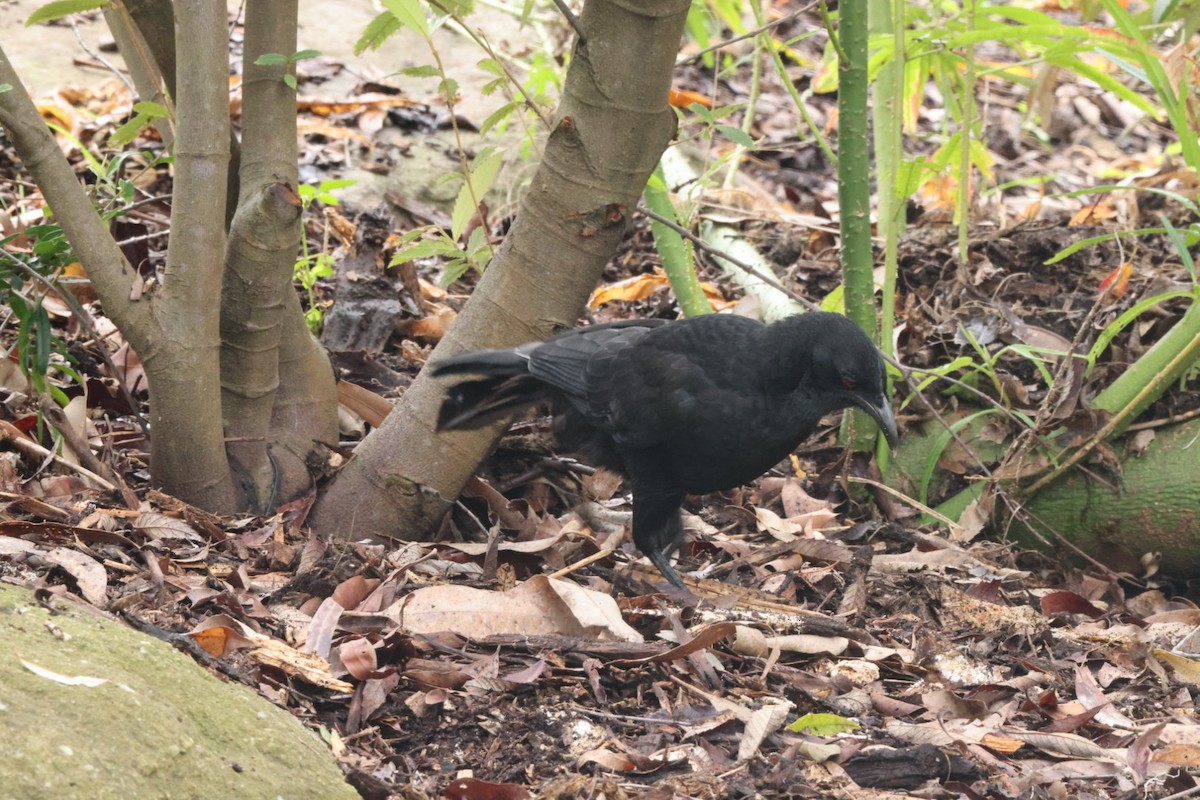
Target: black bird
x=686 y=407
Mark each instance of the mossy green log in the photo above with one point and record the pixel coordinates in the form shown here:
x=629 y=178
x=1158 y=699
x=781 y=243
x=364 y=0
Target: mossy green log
x=1150 y=505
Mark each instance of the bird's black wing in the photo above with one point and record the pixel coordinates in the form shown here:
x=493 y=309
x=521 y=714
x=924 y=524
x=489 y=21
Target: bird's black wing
x=676 y=379
x=568 y=361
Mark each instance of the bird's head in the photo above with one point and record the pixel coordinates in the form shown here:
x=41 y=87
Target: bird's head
x=843 y=366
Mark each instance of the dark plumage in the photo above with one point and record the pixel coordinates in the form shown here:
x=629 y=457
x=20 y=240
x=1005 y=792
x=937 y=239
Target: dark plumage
x=686 y=407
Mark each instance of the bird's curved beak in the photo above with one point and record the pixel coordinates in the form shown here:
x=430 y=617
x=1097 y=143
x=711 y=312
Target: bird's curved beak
x=881 y=411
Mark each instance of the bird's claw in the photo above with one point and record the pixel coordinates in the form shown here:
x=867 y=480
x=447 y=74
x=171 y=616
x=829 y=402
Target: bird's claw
x=660 y=559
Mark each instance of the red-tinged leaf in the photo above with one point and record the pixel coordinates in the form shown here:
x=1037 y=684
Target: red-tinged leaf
x=1072 y=723
x=528 y=675
x=682 y=98
x=1117 y=281
x=474 y=789
x=358 y=657
x=1069 y=603
x=352 y=591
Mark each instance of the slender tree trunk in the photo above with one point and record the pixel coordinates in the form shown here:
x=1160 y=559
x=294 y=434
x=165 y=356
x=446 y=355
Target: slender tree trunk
x=182 y=358
x=260 y=316
x=612 y=127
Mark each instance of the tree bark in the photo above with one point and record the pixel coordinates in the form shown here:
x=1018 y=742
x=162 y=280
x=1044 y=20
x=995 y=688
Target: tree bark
x=257 y=320
x=187 y=450
x=611 y=128
x=145 y=34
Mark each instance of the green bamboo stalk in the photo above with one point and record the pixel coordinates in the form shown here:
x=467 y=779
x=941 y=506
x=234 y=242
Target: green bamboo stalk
x=854 y=187
x=676 y=254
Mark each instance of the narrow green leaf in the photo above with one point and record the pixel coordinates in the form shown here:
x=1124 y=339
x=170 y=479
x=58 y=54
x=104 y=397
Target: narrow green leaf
x=496 y=117
x=61 y=8
x=335 y=184
x=5 y=87
x=427 y=248
x=45 y=338
x=1180 y=241
x=464 y=207
x=271 y=60
x=737 y=136
x=129 y=131
x=482 y=174
x=303 y=54
x=424 y=71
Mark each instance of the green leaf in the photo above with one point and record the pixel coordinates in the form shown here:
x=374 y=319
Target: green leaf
x=335 y=184
x=426 y=248
x=378 y=31
x=45 y=338
x=453 y=271
x=479 y=250
x=492 y=66
x=62 y=8
x=458 y=8
x=290 y=80
x=737 y=136
x=909 y=177
x=150 y=108
x=5 y=87
x=129 y=131
x=483 y=173
x=303 y=54
x=410 y=14
x=271 y=60
x=485 y=168
x=701 y=112
x=496 y=117
x=835 y=300
x=823 y=725
x=424 y=71
x=448 y=88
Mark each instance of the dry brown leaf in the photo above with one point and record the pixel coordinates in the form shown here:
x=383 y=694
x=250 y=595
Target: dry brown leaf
x=537 y=607
x=90 y=576
x=752 y=642
x=1185 y=669
x=160 y=526
x=221 y=632
x=1180 y=755
x=705 y=637
x=763 y=722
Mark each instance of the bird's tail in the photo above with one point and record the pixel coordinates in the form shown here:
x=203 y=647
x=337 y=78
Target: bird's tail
x=507 y=387
x=493 y=363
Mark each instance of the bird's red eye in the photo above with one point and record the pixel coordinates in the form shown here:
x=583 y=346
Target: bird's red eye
x=849 y=383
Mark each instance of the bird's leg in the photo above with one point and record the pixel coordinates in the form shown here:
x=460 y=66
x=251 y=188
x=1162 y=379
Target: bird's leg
x=658 y=529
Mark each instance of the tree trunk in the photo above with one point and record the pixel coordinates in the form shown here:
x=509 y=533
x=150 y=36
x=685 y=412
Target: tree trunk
x=191 y=343
x=260 y=318
x=612 y=127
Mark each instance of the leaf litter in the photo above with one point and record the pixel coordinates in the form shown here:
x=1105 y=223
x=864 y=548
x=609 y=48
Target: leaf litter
x=832 y=655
